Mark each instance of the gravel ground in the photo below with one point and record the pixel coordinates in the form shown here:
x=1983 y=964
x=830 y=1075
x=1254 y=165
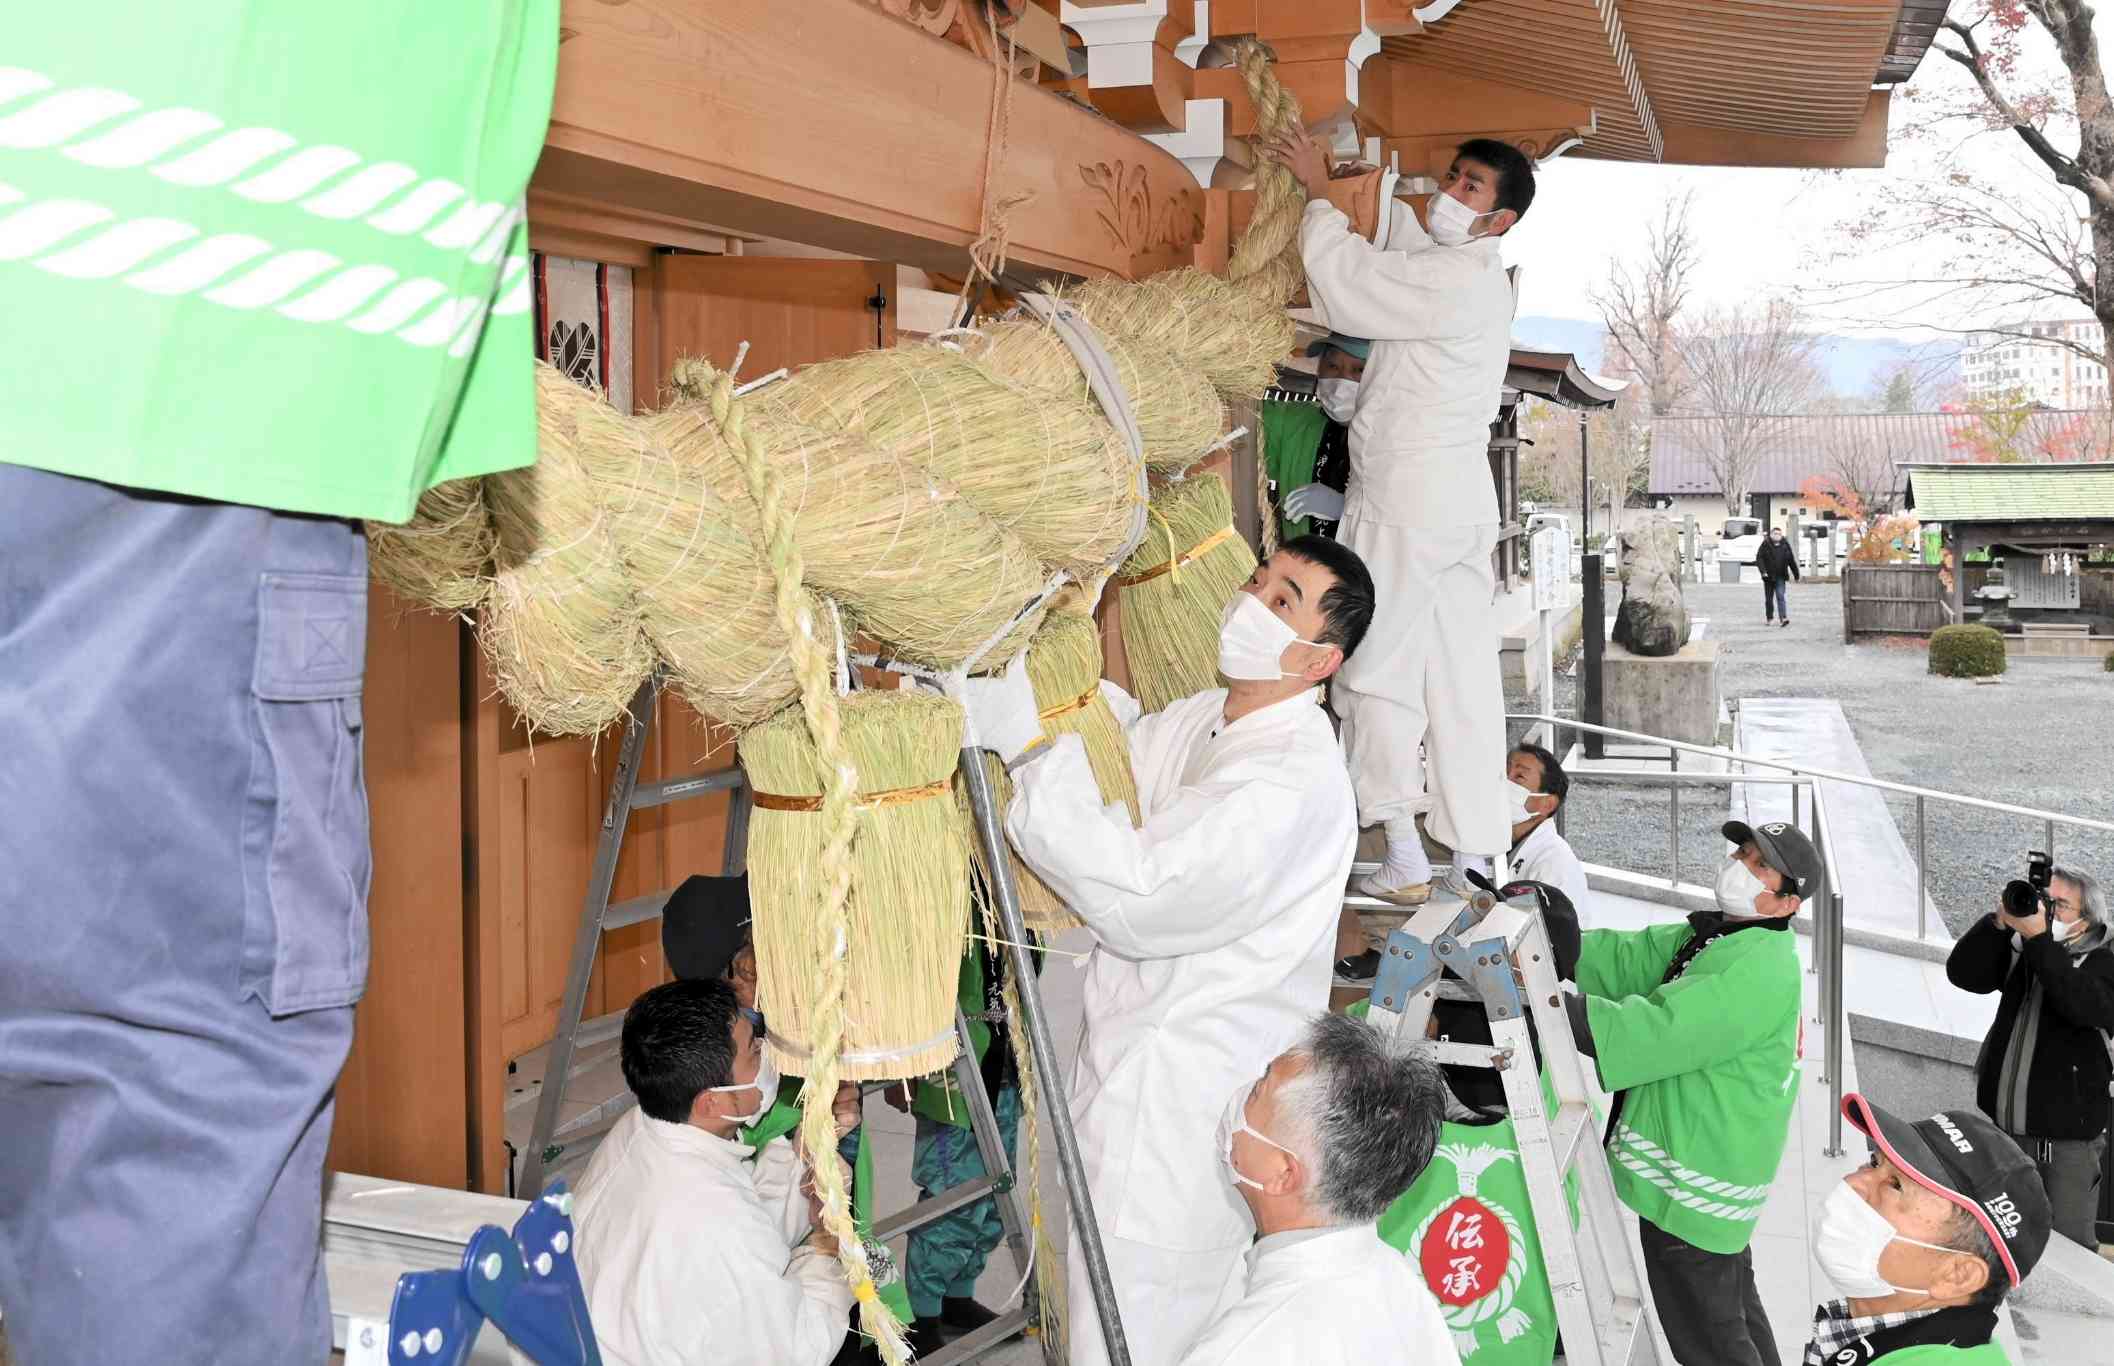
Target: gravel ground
x=2000 y=742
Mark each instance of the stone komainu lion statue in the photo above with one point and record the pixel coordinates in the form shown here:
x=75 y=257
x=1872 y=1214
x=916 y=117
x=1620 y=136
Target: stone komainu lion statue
x=1653 y=620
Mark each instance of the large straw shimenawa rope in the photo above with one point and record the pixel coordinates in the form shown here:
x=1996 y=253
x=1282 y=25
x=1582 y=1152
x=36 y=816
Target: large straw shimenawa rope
x=925 y=491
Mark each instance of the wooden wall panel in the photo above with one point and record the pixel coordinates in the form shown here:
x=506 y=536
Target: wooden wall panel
x=791 y=311
x=402 y=1101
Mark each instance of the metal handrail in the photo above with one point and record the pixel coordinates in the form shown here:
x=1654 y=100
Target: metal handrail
x=1923 y=795
x=1827 y=774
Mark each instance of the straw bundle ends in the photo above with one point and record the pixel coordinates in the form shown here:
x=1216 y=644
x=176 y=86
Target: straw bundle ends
x=1175 y=590
x=1064 y=664
x=443 y=555
x=909 y=906
x=560 y=625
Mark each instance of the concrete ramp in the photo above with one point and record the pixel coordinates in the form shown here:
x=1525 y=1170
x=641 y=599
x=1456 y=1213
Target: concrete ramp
x=1878 y=866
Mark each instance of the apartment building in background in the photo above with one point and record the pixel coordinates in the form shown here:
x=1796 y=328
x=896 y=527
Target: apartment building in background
x=2038 y=364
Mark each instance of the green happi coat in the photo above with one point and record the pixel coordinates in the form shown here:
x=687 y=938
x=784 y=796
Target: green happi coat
x=1709 y=1062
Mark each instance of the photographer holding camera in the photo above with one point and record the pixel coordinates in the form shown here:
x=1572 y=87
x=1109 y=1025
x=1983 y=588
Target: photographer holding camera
x=2044 y=1073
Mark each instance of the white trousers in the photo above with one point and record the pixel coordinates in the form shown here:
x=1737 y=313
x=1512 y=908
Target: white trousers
x=1427 y=674
x=1167 y=1299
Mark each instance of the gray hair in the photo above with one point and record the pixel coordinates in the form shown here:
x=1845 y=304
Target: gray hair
x=1964 y=1233
x=1363 y=1118
x=2089 y=896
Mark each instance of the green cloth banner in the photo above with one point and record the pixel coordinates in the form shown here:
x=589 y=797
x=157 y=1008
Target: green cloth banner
x=1468 y=1226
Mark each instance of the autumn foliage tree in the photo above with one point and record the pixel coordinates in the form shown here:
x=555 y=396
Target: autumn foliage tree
x=1826 y=493
x=2007 y=429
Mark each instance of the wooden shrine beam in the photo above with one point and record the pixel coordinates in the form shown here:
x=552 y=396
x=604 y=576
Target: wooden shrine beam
x=1691 y=146
x=831 y=123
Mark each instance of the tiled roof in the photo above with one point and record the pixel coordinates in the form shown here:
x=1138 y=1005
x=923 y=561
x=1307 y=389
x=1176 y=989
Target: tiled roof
x=1798 y=448
x=2013 y=493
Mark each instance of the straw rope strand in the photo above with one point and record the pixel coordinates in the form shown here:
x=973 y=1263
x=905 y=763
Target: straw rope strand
x=814 y=669
x=1268 y=253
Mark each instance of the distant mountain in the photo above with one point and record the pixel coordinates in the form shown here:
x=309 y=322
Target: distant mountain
x=1854 y=365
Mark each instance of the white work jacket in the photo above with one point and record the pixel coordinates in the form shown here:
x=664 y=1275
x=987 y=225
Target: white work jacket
x=1215 y=926
x=1332 y=1296
x=691 y=1253
x=1440 y=320
x=1545 y=856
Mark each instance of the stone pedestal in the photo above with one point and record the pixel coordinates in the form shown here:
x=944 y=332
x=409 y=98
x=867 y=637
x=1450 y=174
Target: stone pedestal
x=1675 y=696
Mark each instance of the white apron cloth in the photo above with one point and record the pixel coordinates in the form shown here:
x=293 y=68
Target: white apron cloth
x=1215 y=929
x=1422 y=512
x=1329 y=1297
x=690 y=1253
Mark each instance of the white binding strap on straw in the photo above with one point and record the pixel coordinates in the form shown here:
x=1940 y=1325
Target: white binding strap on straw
x=794 y=1050
x=1049 y=590
x=1080 y=338
x=741 y=353
x=780 y=373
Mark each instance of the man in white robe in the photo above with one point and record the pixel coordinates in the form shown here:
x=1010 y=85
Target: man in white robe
x=1421 y=508
x=1319 y=1147
x=1214 y=922
x=691 y=1252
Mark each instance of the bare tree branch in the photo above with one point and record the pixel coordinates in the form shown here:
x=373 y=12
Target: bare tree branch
x=1641 y=304
x=1750 y=367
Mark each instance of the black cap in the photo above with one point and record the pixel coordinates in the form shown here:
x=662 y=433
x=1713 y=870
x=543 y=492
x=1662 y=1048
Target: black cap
x=1963 y=1156
x=704 y=924
x=1785 y=848
x=1558 y=916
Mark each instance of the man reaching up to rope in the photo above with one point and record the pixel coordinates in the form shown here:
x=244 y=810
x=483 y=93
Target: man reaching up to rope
x=1214 y=926
x=1421 y=509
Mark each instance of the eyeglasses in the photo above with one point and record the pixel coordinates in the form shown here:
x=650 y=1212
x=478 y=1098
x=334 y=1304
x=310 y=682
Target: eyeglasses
x=756 y=1024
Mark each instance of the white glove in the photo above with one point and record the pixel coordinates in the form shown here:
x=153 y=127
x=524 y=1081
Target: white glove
x=999 y=713
x=1314 y=500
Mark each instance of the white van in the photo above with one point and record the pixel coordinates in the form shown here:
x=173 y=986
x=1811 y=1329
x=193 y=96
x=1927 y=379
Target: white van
x=1740 y=541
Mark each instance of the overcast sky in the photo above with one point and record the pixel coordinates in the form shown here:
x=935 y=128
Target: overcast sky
x=1763 y=232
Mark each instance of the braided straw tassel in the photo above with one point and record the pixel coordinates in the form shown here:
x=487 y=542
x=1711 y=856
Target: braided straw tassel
x=814 y=668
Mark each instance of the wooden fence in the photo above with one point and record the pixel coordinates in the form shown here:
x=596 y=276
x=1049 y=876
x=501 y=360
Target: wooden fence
x=1891 y=599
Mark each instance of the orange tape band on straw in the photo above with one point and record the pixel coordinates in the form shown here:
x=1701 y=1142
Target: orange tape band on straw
x=771 y=801
x=1215 y=539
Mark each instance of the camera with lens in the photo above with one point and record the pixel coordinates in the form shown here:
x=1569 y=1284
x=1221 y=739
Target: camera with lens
x=2029 y=895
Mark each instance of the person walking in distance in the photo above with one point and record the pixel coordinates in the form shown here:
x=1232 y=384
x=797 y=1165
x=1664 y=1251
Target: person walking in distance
x=1779 y=565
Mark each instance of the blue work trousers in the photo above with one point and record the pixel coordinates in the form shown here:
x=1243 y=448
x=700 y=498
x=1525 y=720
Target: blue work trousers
x=184 y=868
x=1776 y=600
x=946 y=1256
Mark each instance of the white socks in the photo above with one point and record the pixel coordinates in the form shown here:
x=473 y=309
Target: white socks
x=1406 y=864
x=1464 y=863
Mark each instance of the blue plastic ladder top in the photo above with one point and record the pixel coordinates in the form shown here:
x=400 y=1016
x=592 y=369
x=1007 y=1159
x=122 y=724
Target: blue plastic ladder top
x=526 y=1282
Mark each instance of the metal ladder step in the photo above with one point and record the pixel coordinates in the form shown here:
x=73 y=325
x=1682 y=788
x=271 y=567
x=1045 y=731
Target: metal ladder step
x=967 y=1347
x=934 y=1208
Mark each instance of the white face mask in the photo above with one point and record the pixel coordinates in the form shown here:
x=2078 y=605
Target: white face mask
x=1252 y=641
x=765 y=1085
x=2067 y=930
x=1848 y=1239
x=1339 y=398
x=1517 y=796
x=1737 y=889
x=1452 y=222
x=1235 y=1121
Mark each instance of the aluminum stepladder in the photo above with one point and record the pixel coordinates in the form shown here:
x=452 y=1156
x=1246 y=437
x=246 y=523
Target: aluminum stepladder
x=1596 y=1277
x=547 y=1138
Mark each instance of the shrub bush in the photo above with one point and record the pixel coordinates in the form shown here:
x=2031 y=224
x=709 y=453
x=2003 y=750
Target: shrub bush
x=1966 y=652
x=2107 y=664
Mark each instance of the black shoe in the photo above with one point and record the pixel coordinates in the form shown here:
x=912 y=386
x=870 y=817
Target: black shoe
x=962 y=1315
x=1361 y=967
x=927 y=1335
x=1785 y=622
